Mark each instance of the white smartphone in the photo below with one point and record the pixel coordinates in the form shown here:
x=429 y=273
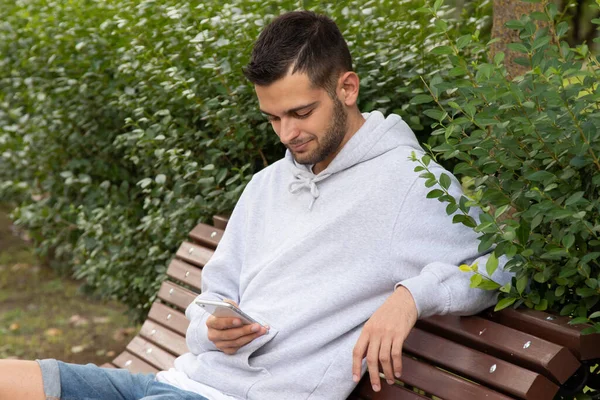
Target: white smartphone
x=222 y=309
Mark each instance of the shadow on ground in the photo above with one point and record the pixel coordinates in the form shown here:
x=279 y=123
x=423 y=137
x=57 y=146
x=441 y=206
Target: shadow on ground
x=43 y=314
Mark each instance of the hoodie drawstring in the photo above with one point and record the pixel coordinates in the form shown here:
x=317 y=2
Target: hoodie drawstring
x=302 y=181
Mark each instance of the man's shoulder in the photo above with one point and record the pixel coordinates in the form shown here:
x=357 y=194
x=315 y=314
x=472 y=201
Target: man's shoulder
x=271 y=171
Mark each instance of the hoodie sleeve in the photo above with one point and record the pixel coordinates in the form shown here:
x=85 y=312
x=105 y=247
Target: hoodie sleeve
x=220 y=277
x=430 y=247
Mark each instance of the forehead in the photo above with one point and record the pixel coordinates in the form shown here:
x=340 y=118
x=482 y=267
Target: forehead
x=291 y=91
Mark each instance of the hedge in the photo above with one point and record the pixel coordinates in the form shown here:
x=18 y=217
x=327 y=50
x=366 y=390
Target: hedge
x=125 y=123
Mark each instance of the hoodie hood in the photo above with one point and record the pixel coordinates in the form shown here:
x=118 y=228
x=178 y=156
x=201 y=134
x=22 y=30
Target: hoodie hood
x=378 y=135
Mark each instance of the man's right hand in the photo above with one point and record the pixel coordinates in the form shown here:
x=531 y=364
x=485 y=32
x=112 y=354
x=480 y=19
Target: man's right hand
x=228 y=334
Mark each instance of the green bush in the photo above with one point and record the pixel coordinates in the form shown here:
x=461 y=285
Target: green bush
x=529 y=147
x=124 y=123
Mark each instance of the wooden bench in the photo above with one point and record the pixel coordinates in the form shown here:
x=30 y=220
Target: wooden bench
x=511 y=354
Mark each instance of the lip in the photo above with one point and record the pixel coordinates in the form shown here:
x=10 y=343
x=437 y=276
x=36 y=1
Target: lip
x=300 y=147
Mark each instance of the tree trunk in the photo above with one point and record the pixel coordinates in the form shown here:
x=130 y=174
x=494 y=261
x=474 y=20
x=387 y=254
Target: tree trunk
x=504 y=11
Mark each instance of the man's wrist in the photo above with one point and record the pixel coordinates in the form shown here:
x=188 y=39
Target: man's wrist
x=406 y=299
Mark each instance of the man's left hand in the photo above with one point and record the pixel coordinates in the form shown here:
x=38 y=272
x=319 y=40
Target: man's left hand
x=382 y=338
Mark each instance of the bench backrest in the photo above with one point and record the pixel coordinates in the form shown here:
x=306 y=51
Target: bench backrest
x=511 y=354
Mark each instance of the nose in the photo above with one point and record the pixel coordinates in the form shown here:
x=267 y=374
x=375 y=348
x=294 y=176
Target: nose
x=288 y=130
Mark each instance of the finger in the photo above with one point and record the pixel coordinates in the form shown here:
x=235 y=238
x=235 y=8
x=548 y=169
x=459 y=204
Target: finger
x=359 y=352
x=373 y=363
x=239 y=342
x=223 y=323
x=397 y=357
x=216 y=335
x=385 y=358
x=231 y=302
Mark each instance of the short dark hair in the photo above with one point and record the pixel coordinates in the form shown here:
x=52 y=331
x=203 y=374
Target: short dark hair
x=311 y=42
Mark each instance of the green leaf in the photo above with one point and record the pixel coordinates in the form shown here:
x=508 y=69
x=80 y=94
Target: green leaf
x=438 y=115
x=434 y=194
x=463 y=41
x=568 y=309
x=522 y=283
x=595 y=315
x=465 y=220
x=578 y=321
x=445 y=181
x=499 y=57
x=518 y=47
x=465 y=268
x=492 y=264
x=451 y=208
x=539 y=176
x=421 y=99
x=543 y=305
x=574 y=198
x=562 y=28
x=568 y=240
x=540 y=42
x=506 y=302
x=476 y=280
x=437 y=5
x=488 y=284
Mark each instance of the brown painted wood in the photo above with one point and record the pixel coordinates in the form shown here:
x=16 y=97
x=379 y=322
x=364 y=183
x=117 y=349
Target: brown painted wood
x=174 y=294
x=364 y=391
x=554 y=361
x=552 y=328
x=206 y=235
x=169 y=317
x=107 y=365
x=171 y=341
x=133 y=363
x=185 y=273
x=220 y=221
x=444 y=384
x=194 y=254
x=150 y=353
x=483 y=368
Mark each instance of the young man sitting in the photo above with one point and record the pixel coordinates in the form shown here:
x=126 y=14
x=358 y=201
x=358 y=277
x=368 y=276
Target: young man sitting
x=335 y=247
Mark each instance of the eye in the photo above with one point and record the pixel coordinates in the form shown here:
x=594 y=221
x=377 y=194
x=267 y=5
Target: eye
x=303 y=114
x=272 y=118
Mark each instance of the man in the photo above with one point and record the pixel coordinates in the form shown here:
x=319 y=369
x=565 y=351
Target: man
x=335 y=247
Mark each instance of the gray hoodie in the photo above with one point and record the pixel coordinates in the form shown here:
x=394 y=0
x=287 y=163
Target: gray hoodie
x=314 y=256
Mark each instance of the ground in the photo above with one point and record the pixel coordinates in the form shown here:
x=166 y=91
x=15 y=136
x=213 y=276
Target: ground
x=44 y=315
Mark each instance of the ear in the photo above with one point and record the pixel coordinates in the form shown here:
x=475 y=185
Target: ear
x=348 y=88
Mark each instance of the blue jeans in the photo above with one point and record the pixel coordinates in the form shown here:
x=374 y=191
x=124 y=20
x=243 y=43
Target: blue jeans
x=88 y=382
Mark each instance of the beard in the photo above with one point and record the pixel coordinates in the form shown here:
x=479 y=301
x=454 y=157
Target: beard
x=330 y=142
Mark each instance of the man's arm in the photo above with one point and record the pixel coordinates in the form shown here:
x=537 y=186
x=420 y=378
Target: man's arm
x=220 y=281
x=431 y=248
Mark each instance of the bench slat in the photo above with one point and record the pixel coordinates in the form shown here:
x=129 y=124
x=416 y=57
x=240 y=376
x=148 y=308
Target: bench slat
x=169 y=317
x=552 y=328
x=151 y=353
x=509 y=344
x=163 y=337
x=134 y=364
x=220 y=221
x=483 y=368
x=194 y=254
x=364 y=391
x=206 y=235
x=176 y=295
x=186 y=273
x=444 y=384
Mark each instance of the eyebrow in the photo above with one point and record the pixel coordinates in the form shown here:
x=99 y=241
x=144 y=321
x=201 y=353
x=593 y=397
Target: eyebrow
x=293 y=110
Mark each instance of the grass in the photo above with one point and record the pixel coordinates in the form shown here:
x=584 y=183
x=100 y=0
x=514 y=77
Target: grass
x=44 y=314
